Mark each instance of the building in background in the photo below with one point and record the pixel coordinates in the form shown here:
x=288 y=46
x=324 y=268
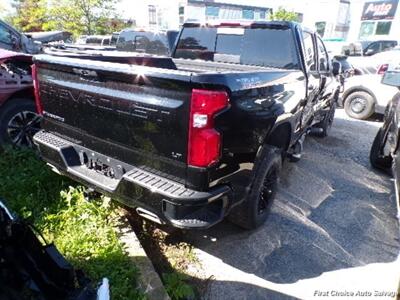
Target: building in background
x=333 y=19
x=330 y=17
x=213 y=10
x=171 y=14
x=374 y=20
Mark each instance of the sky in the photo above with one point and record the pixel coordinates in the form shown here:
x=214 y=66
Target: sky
x=4 y=4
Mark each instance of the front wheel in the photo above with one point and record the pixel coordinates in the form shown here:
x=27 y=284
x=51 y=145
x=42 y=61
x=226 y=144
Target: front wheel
x=18 y=122
x=359 y=105
x=256 y=207
x=377 y=157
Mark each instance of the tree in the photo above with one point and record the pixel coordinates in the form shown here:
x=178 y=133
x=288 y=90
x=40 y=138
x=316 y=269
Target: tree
x=82 y=16
x=284 y=15
x=30 y=15
x=76 y=16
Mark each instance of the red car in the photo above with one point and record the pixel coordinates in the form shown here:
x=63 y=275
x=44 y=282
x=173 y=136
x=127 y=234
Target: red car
x=18 y=118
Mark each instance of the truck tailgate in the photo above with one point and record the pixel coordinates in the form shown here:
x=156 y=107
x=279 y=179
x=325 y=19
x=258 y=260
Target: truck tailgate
x=135 y=114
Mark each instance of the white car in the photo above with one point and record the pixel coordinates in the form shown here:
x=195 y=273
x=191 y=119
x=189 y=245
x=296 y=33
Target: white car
x=365 y=95
x=377 y=63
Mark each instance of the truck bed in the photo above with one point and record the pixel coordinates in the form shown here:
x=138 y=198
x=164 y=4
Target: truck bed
x=135 y=113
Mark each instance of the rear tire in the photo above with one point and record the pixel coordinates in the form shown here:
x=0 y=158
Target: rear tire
x=376 y=156
x=18 y=122
x=359 y=105
x=256 y=207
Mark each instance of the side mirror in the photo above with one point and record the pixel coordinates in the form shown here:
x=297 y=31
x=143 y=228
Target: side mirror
x=336 y=68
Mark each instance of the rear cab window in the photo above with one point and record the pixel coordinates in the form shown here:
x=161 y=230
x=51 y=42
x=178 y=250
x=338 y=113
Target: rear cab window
x=272 y=46
x=142 y=41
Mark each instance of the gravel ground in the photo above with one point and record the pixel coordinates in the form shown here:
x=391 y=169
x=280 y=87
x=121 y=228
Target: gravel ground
x=333 y=229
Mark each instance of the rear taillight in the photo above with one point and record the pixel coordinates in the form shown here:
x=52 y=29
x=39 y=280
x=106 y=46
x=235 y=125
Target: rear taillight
x=204 y=146
x=382 y=69
x=38 y=102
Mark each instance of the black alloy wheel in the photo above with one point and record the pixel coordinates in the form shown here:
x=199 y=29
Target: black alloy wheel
x=22 y=127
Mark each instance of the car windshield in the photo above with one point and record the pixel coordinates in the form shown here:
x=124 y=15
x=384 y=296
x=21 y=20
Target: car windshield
x=266 y=47
x=365 y=44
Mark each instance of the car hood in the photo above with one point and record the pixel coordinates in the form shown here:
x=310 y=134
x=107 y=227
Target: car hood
x=10 y=55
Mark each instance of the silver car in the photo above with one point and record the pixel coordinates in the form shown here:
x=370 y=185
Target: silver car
x=365 y=95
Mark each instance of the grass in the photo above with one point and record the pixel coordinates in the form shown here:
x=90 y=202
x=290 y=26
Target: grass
x=83 y=231
x=173 y=259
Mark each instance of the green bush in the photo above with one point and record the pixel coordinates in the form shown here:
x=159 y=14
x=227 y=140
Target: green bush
x=83 y=231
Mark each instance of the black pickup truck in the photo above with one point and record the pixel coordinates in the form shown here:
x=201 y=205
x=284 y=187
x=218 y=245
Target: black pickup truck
x=195 y=137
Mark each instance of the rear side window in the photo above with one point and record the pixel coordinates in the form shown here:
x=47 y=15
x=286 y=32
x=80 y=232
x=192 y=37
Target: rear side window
x=267 y=47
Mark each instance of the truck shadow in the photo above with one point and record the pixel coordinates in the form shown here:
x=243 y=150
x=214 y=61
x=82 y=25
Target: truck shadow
x=332 y=212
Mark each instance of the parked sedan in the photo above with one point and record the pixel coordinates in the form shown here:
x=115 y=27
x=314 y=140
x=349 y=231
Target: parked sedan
x=365 y=95
x=385 y=148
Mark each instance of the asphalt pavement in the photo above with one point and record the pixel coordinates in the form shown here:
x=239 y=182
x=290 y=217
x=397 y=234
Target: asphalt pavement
x=332 y=232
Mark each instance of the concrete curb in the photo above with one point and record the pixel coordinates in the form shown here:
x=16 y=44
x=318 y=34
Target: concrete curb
x=149 y=281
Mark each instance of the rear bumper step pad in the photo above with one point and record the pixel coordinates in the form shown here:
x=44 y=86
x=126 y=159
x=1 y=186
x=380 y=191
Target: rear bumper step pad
x=171 y=201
